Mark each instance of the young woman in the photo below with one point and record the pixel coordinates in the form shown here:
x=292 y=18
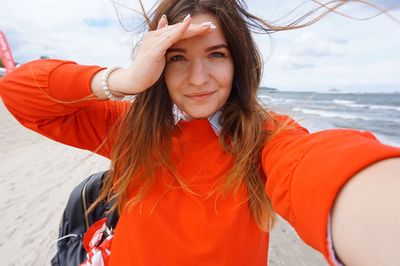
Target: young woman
x=199 y=167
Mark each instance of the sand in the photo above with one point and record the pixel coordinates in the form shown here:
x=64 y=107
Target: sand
x=36 y=177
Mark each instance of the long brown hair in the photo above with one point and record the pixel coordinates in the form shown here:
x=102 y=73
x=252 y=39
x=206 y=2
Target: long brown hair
x=149 y=124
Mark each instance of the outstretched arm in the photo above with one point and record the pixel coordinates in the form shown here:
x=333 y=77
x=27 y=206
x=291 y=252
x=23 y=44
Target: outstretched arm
x=54 y=98
x=306 y=173
x=366 y=216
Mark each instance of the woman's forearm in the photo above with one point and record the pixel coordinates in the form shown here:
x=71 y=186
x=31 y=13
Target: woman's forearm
x=117 y=82
x=366 y=216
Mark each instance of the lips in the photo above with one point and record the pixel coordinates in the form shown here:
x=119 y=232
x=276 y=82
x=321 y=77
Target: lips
x=200 y=95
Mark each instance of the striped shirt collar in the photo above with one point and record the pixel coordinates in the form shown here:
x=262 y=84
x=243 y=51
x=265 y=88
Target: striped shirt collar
x=213 y=119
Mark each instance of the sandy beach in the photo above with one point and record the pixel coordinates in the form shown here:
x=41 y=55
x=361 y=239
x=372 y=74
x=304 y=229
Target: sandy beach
x=37 y=175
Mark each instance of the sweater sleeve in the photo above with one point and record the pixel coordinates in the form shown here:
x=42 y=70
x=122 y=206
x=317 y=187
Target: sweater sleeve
x=305 y=173
x=54 y=99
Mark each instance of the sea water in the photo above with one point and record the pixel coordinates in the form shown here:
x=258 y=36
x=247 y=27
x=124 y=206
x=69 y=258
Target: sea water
x=378 y=113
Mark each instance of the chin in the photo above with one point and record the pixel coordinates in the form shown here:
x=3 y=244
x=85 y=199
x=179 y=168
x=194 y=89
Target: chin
x=200 y=111
x=200 y=115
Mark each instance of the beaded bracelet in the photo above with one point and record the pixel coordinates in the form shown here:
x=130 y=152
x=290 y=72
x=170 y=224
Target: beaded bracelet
x=104 y=83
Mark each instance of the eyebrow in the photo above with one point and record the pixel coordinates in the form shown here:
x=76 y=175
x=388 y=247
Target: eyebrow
x=208 y=49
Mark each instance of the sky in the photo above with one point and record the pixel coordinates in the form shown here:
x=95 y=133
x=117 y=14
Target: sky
x=335 y=53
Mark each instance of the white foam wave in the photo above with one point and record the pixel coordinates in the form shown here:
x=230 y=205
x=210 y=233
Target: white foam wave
x=265 y=97
x=349 y=103
x=290 y=101
x=357 y=105
x=385 y=107
x=270 y=99
x=330 y=114
x=342 y=102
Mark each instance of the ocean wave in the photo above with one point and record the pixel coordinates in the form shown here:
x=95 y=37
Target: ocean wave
x=357 y=105
x=342 y=102
x=350 y=103
x=265 y=97
x=385 y=107
x=330 y=114
x=290 y=100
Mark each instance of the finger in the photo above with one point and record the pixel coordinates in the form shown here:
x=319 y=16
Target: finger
x=163 y=22
x=185 y=31
x=163 y=26
x=174 y=34
x=199 y=29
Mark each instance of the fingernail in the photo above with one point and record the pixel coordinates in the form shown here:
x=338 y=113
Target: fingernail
x=186 y=18
x=209 y=25
x=163 y=16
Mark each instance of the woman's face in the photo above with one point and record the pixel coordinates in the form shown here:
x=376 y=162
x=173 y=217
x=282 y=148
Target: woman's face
x=199 y=71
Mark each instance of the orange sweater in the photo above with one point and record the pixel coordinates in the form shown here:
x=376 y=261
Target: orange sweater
x=305 y=173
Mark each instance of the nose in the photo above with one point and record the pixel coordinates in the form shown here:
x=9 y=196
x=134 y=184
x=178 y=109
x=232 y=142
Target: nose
x=198 y=73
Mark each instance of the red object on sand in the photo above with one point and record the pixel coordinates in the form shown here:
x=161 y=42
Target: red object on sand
x=5 y=54
x=97 y=246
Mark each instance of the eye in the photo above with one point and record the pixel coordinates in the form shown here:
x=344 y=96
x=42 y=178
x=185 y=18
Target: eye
x=176 y=58
x=217 y=55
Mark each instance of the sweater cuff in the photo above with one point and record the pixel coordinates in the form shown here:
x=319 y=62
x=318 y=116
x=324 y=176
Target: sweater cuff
x=333 y=258
x=70 y=82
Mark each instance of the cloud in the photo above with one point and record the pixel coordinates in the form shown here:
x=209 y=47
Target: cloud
x=299 y=65
x=311 y=45
x=288 y=62
x=89 y=32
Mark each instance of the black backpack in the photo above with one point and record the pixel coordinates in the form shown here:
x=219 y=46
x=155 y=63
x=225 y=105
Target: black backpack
x=75 y=222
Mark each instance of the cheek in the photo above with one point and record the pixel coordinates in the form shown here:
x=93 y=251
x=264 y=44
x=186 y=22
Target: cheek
x=223 y=71
x=172 y=81
x=168 y=76
x=224 y=76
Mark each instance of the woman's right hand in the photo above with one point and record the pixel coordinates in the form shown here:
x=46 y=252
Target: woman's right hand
x=149 y=61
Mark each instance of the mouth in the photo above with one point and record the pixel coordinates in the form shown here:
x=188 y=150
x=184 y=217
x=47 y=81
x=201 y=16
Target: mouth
x=200 y=95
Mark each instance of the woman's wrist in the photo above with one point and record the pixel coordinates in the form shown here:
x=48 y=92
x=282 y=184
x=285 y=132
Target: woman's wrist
x=121 y=84
x=116 y=82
